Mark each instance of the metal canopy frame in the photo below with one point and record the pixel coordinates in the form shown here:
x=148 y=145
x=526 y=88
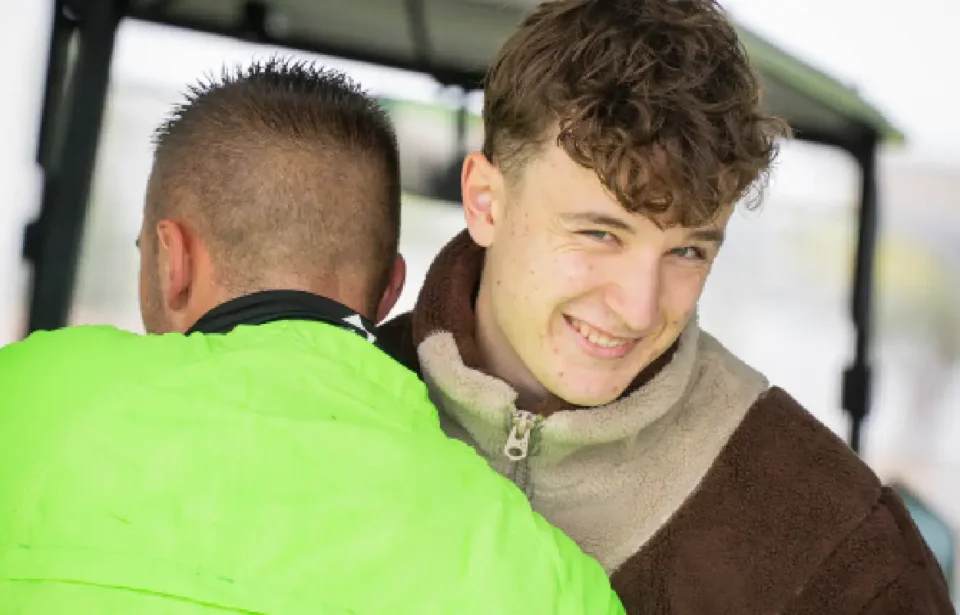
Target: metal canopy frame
x=450 y=40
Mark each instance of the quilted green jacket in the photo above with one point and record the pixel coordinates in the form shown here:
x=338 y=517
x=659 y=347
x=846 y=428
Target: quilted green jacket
x=288 y=468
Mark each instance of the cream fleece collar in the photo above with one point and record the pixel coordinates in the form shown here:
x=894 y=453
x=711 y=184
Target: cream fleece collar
x=609 y=476
x=485 y=405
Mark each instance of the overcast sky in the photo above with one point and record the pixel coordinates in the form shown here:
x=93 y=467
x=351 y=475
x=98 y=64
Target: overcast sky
x=901 y=56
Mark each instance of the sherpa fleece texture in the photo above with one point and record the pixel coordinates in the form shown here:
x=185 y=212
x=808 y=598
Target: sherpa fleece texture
x=702 y=490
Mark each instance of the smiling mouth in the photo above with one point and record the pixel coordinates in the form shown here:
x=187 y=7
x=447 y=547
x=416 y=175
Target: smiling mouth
x=599 y=338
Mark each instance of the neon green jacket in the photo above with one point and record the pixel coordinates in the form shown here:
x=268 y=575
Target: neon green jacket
x=283 y=469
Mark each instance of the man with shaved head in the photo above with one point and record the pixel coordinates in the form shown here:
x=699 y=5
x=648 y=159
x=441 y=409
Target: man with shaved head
x=261 y=454
x=277 y=177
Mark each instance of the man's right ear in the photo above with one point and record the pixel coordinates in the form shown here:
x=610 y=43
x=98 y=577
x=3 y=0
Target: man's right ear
x=481 y=185
x=398 y=276
x=176 y=263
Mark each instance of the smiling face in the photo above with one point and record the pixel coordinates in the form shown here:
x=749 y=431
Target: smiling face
x=578 y=295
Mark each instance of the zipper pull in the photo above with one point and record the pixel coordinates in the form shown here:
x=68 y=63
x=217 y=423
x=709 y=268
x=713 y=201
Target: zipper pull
x=518 y=440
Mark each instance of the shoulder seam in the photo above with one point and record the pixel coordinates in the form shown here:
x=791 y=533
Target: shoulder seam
x=883 y=589
x=877 y=505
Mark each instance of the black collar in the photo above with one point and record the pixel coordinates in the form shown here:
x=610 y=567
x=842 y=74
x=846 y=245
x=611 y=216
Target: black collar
x=272 y=305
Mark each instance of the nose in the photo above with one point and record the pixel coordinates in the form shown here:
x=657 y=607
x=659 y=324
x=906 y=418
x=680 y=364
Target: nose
x=634 y=296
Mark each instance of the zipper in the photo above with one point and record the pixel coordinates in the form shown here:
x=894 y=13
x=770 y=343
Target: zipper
x=523 y=424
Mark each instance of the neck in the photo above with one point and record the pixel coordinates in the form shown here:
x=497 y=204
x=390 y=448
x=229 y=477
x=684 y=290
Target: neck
x=268 y=306
x=342 y=291
x=498 y=359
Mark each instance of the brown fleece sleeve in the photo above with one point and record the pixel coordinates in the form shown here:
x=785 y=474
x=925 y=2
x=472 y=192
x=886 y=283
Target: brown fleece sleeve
x=909 y=594
x=396 y=339
x=882 y=568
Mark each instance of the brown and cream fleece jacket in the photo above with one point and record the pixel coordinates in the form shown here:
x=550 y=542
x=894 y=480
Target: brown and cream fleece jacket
x=702 y=490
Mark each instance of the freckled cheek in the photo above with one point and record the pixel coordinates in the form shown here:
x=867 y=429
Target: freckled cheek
x=577 y=277
x=679 y=297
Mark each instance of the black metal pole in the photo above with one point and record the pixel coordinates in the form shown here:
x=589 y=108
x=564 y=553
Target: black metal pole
x=53 y=241
x=419 y=31
x=62 y=29
x=858 y=377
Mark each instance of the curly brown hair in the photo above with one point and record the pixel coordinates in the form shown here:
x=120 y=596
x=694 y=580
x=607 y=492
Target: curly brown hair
x=656 y=96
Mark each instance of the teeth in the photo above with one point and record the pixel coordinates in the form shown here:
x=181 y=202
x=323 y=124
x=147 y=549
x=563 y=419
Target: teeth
x=598 y=338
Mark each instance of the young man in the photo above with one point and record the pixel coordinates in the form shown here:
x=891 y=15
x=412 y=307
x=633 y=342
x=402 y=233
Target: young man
x=558 y=334
x=273 y=460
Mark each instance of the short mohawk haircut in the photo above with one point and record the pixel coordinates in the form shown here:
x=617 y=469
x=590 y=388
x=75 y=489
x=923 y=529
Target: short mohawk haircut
x=297 y=78
x=287 y=167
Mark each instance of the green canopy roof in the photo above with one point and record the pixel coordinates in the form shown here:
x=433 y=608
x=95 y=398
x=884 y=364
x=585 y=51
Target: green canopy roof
x=455 y=39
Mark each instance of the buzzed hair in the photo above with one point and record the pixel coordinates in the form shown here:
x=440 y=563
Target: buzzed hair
x=288 y=171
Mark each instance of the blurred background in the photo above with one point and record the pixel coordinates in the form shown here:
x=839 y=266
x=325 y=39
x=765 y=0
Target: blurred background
x=780 y=293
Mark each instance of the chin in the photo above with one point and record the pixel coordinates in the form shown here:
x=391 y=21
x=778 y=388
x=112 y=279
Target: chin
x=592 y=396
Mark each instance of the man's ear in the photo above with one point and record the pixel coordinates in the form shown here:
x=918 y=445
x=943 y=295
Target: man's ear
x=175 y=263
x=481 y=185
x=398 y=276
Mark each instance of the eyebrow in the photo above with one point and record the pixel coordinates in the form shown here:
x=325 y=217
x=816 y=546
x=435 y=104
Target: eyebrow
x=713 y=235
x=598 y=219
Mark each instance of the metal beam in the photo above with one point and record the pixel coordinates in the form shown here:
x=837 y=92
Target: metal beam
x=858 y=377
x=53 y=241
x=419 y=32
x=444 y=74
x=58 y=59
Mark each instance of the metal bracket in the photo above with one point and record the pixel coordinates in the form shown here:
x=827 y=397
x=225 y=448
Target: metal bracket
x=857 y=378
x=78 y=72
